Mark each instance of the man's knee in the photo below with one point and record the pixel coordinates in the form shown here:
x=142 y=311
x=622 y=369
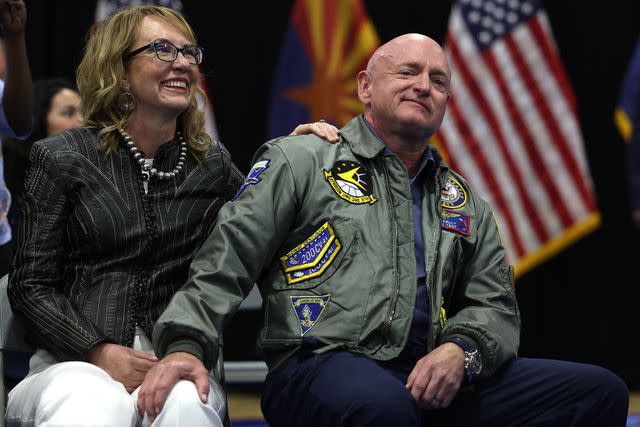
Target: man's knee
x=610 y=393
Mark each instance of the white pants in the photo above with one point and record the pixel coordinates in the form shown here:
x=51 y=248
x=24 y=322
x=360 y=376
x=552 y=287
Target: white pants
x=81 y=394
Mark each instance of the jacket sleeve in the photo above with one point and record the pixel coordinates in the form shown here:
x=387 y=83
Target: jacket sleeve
x=247 y=233
x=484 y=306
x=36 y=287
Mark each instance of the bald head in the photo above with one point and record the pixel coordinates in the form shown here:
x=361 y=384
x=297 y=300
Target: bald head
x=394 y=49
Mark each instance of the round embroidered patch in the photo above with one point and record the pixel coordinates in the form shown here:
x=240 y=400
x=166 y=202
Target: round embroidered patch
x=453 y=195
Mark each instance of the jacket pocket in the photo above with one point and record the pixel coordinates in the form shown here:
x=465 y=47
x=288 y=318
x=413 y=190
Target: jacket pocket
x=327 y=306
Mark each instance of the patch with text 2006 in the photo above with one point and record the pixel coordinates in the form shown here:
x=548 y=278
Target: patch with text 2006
x=310 y=258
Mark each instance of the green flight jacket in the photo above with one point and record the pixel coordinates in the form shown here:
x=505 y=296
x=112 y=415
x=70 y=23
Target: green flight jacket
x=326 y=231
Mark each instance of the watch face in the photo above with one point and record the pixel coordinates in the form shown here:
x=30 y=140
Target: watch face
x=473 y=362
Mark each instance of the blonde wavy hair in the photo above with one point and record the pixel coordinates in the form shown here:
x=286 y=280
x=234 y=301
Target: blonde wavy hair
x=101 y=74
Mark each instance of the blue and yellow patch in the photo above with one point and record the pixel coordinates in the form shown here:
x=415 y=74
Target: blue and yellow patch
x=456 y=222
x=253 y=177
x=453 y=195
x=308 y=310
x=310 y=258
x=350 y=180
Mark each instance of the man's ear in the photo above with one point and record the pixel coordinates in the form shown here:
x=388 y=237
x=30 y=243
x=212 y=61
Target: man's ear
x=364 y=86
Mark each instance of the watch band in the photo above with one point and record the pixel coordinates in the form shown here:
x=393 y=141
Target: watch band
x=462 y=343
x=472 y=357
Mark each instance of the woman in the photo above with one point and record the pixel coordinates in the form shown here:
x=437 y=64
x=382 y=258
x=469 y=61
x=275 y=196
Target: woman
x=56 y=108
x=113 y=214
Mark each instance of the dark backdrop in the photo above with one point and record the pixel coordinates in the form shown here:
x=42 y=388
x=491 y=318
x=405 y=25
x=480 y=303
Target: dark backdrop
x=581 y=305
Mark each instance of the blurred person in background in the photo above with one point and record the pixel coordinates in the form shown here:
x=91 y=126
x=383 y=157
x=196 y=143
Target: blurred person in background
x=16 y=94
x=56 y=108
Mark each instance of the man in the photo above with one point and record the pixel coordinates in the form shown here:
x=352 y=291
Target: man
x=386 y=297
x=16 y=94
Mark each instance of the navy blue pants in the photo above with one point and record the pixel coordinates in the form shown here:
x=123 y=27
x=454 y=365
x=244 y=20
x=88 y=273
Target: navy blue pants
x=345 y=389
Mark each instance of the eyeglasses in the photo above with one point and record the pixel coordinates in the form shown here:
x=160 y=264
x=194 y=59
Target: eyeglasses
x=168 y=52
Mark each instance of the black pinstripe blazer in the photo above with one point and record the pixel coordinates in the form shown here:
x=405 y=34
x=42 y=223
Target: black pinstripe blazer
x=96 y=256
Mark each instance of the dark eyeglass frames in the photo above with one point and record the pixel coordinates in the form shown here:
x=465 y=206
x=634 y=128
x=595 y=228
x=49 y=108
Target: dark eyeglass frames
x=168 y=52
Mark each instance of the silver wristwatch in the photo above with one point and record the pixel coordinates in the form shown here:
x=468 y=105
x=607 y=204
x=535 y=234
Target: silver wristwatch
x=472 y=357
x=472 y=364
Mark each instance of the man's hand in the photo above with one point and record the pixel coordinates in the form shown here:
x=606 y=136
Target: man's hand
x=13 y=17
x=164 y=375
x=437 y=377
x=321 y=129
x=124 y=364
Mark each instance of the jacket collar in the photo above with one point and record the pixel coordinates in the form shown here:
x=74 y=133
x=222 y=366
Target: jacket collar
x=361 y=139
x=365 y=143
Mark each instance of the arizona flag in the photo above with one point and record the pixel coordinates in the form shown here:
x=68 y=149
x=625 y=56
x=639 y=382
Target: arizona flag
x=327 y=43
x=105 y=8
x=512 y=129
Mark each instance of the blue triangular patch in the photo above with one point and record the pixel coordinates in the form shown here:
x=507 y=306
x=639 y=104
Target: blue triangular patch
x=308 y=310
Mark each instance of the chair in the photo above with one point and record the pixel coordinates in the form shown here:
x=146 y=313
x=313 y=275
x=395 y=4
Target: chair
x=12 y=337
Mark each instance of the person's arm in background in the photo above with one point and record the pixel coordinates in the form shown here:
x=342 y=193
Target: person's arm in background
x=17 y=98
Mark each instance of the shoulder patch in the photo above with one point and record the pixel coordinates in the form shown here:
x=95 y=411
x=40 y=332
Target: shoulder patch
x=350 y=180
x=253 y=177
x=456 y=222
x=308 y=310
x=311 y=257
x=453 y=195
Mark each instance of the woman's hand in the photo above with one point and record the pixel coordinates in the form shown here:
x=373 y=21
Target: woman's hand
x=321 y=129
x=123 y=364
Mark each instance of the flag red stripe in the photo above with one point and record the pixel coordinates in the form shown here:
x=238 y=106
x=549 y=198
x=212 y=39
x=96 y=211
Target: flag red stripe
x=556 y=135
x=488 y=116
x=553 y=61
x=484 y=166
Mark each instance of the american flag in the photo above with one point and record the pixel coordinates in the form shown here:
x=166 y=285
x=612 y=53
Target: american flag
x=512 y=127
x=105 y=8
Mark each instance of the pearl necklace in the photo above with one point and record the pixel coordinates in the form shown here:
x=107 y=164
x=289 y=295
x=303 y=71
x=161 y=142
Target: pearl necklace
x=147 y=171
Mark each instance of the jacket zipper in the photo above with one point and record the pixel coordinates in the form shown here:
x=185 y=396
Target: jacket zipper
x=435 y=306
x=396 y=270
